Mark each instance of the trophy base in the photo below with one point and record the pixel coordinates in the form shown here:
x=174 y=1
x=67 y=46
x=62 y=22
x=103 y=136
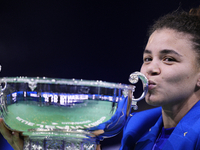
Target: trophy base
x=58 y=143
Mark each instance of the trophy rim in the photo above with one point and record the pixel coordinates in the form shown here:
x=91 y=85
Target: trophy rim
x=64 y=81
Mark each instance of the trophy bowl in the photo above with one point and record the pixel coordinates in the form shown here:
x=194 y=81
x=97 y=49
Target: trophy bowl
x=60 y=113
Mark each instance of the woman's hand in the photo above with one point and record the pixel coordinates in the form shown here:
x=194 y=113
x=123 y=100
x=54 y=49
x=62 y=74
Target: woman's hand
x=14 y=138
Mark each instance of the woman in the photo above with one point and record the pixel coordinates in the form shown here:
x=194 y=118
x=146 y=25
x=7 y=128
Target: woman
x=172 y=65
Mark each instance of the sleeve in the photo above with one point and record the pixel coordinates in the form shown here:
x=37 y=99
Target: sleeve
x=113 y=126
x=137 y=125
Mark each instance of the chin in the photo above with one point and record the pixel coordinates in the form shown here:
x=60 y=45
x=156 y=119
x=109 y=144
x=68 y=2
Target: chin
x=153 y=102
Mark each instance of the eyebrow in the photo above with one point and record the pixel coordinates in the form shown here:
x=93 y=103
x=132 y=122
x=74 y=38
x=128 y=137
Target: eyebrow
x=165 y=51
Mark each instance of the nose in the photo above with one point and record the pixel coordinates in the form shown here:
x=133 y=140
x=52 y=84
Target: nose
x=151 y=69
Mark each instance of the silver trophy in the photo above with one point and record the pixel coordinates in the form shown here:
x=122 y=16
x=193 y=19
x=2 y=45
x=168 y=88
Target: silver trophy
x=64 y=114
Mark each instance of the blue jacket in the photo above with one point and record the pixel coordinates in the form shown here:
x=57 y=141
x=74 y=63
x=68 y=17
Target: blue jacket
x=142 y=129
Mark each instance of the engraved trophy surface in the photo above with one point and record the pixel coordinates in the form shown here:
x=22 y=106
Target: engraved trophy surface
x=63 y=113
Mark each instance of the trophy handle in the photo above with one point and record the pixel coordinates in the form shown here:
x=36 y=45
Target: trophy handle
x=133 y=78
x=3 y=81
x=2 y=103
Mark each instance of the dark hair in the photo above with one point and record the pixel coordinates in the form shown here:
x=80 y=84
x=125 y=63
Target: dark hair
x=186 y=22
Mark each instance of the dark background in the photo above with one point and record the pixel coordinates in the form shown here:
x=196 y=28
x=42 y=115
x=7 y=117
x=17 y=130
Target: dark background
x=85 y=39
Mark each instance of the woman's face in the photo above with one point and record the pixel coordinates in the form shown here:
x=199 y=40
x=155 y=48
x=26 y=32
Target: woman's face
x=171 y=67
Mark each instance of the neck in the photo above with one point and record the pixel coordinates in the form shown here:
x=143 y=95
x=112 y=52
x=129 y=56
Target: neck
x=172 y=114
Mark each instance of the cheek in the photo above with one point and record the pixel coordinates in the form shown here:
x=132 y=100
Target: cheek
x=179 y=79
x=173 y=78
x=142 y=69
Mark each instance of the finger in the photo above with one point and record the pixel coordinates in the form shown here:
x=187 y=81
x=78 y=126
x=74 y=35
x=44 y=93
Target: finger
x=98 y=132
x=5 y=132
x=18 y=142
x=98 y=147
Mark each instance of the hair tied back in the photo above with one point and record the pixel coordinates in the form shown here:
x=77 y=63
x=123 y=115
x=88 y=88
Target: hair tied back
x=195 y=11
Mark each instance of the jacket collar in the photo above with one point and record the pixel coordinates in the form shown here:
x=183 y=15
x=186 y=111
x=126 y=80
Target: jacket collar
x=149 y=139
x=187 y=123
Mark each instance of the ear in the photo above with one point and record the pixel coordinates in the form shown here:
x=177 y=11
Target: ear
x=198 y=80
x=198 y=84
